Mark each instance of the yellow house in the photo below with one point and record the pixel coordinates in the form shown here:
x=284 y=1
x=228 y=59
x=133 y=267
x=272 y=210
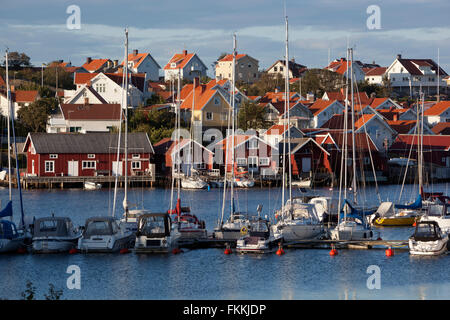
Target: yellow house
x=246 y=68
x=210 y=104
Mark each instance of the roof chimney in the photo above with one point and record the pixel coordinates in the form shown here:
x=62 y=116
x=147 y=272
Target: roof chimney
x=135 y=52
x=184 y=52
x=12 y=88
x=88 y=60
x=86 y=101
x=399 y=56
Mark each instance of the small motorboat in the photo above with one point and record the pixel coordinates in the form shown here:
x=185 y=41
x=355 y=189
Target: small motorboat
x=259 y=239
x=53 y=235
x=104 y=234
x=244 y=182
x=155 y=234
x=193 y=183
x=89 y=185
x=441 y=216
x=428 y=239
x=129 y=220
x=188 y=225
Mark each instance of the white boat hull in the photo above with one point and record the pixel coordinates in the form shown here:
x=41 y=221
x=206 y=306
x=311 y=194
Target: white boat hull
x=296 y=232
x=155 y=245
x=11 y=245
x=351 y=231
x=193 y=184
x=428 y=248
x=92 y=186
x=106 y=243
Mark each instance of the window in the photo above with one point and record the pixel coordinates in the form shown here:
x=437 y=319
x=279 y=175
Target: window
x=49 y=166
x=135 y=165
x=74 y=129
x=249 y=65
x=253 y=144
x=209 y=116
x=275 y=69
x=91 y=156
x=100 y=87
x=136 y=156
x=252 y=162
x=264 y=161
x=281 y=68
x=241 y=161
x=53 y=156
x=216 y=101
x=88 y=165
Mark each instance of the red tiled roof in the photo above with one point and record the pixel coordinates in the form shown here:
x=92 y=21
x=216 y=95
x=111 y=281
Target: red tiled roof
x=442 y=128
x=91 y=111
x=402 y=126
x=410 y=66
x=95 y=64
x=320 y=105
x=437 y=109
x=275 y=96
x=363 y=120
x=339 y=96
x=83 y=78
x=180 y=59
x=363 y=142
x=377 y=71
x=202 y=95
x=277 y=129
x=229 y=57
x=25 y=95
x=430 y=142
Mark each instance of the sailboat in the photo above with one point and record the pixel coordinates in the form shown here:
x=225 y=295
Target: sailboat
x=296 y=220
x=238 y=223
x=187 y=224
x=192 y=180
x=352 y=222
x=106 y=233
x=11 y=239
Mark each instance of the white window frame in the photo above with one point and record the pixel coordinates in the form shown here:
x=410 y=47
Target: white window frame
x=85 y=166
x=241 y=161
x=264 y=161
x=134 y=167
x=253 y=164
x=251 y=146
x=91 y=156
x=136 y=156
x=52 y=165
x=207 y=118
x=53 y=156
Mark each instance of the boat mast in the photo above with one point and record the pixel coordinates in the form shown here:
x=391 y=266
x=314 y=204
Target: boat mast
x=125 y=199
x=355 y=198
x=420 y=148
x=286 y=103
x=233 y=80
x=8 y=98
x=178 y=130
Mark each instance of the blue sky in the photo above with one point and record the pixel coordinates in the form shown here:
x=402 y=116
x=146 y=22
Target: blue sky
x=414 y=28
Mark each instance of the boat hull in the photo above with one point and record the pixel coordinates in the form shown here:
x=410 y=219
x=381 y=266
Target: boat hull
x=228 y=234
x=395 y=222
x=105 y=244
x=428 y=248
x=154 y=245
x=11 y=245
x=53 y=245
x=351 y=231
x=299 y=232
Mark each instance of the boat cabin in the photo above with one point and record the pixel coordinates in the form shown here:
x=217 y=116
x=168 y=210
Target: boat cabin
x=154 y=225
x=52 y=227
x=427 y=231
x=100 y=226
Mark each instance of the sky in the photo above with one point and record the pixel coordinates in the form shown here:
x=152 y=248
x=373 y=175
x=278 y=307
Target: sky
x=317 y=28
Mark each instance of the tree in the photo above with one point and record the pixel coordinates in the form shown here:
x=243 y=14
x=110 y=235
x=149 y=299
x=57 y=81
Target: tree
x=54 y=73
x=16 y=60
x=318 y=81
x=155 y=99
x=34 y=116
x=252 y=116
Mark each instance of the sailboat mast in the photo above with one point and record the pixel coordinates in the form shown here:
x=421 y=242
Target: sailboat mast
x=286 y=101
x=420 y=148
x=178 y=130
x=8 y=97
x=355 y=198
x=233 y=80
x=125 y=199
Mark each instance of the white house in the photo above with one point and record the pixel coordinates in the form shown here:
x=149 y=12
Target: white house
x=84 y=94
x=296 y=70
x=143 y=63
x=274 y=135
x=340 y=66
x=440 y=112
x=323 y=110
x=407 y=76
x=187 y=64
x=19 y=98
x=374 y=75
x=85 y=118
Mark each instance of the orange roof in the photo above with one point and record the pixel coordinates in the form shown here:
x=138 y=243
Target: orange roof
x=377 y=101
x=377 y=71
x=95 y=64
x=339 y=96
x=202 y=95
x=402 y=126
x=275 y=96
x=2 y=82
x=229 y=57
x=320 y=105
x=442 y=128
x=25 y=95
x=180 y=60
x=276 y=129
x=82 y=78
x=437 y=109
x=136 y=58
x=363 y=120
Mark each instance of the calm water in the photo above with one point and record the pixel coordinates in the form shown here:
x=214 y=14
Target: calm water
x=208 y=273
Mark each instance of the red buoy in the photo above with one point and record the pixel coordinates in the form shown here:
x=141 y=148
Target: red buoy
x=124 y=250
x=333 y=252
x=21 y=250
x=389 y=252
x=227 y=251
x=176 y=251
x=73 y=251
x=379 y=239
x=414 y=224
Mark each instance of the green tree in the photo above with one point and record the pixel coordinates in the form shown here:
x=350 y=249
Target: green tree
x=34 y=117
x=251 y=116
x=155 y=99
x=318 y=81
x=53 y=74
x=16 y=60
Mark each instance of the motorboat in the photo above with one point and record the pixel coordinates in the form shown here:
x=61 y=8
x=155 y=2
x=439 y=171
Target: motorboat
x=105 y=234
x=297 y=221
x=259 y=239
x=155 y=234
x=129 y=220
x=187 y=224
x=388 y=215
x=428 y=239
x=193 y=183
x=11 y=239
x=89 y=185
x=235 y=227
x=54 y=234
x=244 y=182
x=440 y=214
x=352 y=224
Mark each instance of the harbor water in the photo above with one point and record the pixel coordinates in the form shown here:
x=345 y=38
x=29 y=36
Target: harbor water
x=210 y=274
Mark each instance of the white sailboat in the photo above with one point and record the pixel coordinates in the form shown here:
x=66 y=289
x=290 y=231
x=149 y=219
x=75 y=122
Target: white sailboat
x=106 y=233
x=238 y=223
x=296 y=220
x=352 y=223
x=11 y=239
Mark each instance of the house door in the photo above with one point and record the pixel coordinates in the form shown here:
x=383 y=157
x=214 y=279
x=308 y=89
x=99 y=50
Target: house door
x=72 y=168
x=306 y=164
x=117 y=168
x=32 y=167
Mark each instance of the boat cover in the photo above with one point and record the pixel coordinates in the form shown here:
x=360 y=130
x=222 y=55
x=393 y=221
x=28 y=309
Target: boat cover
x=7 y=211
x=416 y=205
x=386 y=209
x=354 y=213
x=51 y=227
x=8 y=230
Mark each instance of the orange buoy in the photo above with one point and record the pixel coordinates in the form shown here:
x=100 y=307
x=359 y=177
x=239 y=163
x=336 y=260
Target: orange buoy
x=73 y=250
x=124 y=250
x=227 y=251
x=176 y=251
x=414 y=224
x=333 y=252
x=389 y=252
x=280 y=252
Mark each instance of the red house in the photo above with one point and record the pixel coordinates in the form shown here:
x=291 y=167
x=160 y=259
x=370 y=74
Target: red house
x=89 y=154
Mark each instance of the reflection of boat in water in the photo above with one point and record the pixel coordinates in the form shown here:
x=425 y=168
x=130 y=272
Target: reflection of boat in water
x=259 y=239
x=304 y=183
x=89 y=185
x=53 y=235
x=155 y=234
x=428 y=239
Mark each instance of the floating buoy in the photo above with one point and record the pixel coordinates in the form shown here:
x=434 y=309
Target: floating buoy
x=176 y=251
x=414 y=224
x=227 y=251
x=73 y=251
x=21 y=250
x=379 y=239
x=280 y=252
x=389 y=252
x=333 y=252
x=124 y=250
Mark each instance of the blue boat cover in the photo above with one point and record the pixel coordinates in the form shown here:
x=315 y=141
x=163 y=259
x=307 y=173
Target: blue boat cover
x=416 y=205
x=8 y=230
x=354 y=213
x=7 y=211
